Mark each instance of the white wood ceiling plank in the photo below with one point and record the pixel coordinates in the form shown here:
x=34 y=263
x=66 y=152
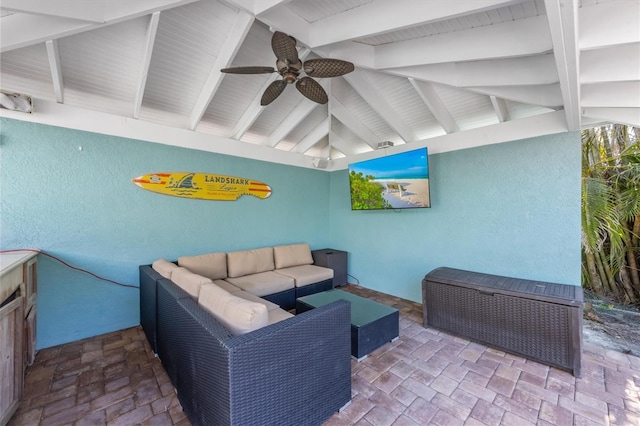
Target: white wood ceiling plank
x=299 y=113
x=430 y=97
x=21 y=30
x=150 y=38
x=608 y=24
x=375 y=99
x=500 y=106
x=53 y=54
x=383 y=16
x=315 y=136
x=563 y=24
x=231 y=45
x=508 y=39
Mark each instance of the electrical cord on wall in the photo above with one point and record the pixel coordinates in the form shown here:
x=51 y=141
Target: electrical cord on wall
x=69 y=266
x=357 y=280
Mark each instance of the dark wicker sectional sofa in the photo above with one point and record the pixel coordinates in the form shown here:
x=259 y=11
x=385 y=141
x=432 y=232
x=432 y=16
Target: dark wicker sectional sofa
x=293 y=372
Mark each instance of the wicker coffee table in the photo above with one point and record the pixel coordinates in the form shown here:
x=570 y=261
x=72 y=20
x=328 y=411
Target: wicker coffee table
x=372 y=324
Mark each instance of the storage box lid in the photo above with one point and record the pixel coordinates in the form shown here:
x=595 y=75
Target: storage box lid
x=540 y=290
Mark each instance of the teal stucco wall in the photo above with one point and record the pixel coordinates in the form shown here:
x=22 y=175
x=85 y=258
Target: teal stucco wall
x=81 y=206
x=509 y=209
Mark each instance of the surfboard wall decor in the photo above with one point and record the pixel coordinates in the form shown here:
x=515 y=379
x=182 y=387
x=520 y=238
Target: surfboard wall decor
x=203 y=186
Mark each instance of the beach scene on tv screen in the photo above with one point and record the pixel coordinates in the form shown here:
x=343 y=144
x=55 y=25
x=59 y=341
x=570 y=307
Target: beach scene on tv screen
x=393 y=182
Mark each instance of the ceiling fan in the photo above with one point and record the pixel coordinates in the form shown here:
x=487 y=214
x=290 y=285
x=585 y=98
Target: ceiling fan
x=289 y=67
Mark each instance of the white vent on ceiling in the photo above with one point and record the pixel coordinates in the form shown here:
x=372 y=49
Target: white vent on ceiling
x=385 y=144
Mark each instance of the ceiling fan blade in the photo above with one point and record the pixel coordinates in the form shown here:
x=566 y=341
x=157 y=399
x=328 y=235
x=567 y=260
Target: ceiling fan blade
x=312 y=90
x=272 y=92
x=323 y=68
x=248 y=70
x=284 y=46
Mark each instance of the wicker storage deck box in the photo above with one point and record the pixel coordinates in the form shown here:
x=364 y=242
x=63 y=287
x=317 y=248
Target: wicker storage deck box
x=537 y=320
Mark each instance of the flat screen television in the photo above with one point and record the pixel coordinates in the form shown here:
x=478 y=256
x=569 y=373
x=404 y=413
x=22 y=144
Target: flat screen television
x=397 y=181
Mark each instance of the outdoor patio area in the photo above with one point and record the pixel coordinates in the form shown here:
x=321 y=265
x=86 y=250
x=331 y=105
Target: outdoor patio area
x=424 y=377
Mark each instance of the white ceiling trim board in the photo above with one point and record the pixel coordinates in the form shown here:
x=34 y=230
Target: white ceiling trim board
x=506 y=40
x=376 y=100
x=628 y=116
x=619 y=63
x=608 y=24
x=283 y=19
x=527 y=70
x=353 y=123
x=432 y=100
x=62 y=115
x=500 y=107
x=234 y=40
x=341 y=145
x=89 y=11
x=315 y=136
x=53 y=54
x=22 y=30
x=152 y=29
x=611 y=95
x=547 y=95
x=380 y=17
x=299 y=113
x=563 y=25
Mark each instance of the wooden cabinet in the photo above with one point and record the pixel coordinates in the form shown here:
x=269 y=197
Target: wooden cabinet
x=18 y=291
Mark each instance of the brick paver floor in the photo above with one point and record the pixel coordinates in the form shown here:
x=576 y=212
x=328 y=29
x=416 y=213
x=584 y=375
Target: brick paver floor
x=425 y=377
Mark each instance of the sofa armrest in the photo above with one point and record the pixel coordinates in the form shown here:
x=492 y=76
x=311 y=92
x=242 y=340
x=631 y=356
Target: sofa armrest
x=148 y=318
x=300 y=369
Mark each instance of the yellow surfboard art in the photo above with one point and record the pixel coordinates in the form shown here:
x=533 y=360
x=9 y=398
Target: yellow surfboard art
x=203 y=186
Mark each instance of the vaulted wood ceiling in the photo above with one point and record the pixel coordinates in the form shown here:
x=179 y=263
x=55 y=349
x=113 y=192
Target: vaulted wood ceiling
x=444 y=74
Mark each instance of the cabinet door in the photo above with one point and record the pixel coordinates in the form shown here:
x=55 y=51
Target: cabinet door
x=11 y=361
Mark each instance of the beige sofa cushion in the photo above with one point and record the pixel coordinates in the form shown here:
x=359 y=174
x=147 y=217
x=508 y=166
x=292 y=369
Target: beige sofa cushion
x=292 y=255
x=210 y=265
x=227 y=286
x=306 y=274
x=264 y=283
x=188 y=281
x=163 y=267
x=277 y=315
x=238 y=315
x=247 y=262
x=253 y=298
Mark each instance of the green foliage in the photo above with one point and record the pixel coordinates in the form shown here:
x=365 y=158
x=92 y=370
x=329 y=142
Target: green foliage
x=611 y=211
x=366 y=194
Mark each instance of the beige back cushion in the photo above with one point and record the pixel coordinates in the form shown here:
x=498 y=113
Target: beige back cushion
x=292 y=255
x=247 y=262
x=188 y=281
x=164 y=267
x=238 y=315
x=210 y=265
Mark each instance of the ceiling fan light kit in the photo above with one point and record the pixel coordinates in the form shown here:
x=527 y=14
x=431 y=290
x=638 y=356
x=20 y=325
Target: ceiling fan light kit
x=289 y=66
